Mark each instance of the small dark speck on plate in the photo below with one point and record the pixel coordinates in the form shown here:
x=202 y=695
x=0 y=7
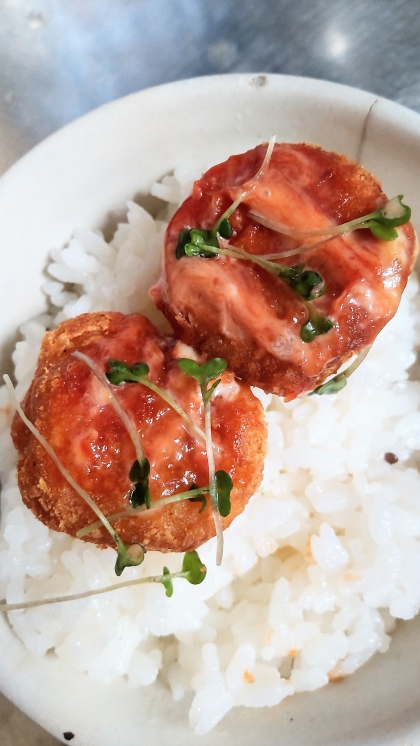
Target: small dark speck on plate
x=391 y=458
x=258 y=81
x=68 y=735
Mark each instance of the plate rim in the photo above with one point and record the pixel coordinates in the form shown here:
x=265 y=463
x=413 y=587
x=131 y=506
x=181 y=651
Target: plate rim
x=391 y=110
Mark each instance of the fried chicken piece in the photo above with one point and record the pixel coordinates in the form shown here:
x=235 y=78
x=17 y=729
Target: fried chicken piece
x=72 y=410
x=237 y=310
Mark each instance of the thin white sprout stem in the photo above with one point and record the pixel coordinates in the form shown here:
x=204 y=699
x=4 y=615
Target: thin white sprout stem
x=130 y=427
x=237 y=253
x=256 y=258
x=212 y=483
x=129 y=512
x=125 y=418
x=172 y=403
x=355 y=364
x=249 y=187
x=67 y=476
x=87 y=594
x=329 y=233
x=292 y=232
x=297 y=250
x=334 y=230
x=266 y=162
x=347 y=372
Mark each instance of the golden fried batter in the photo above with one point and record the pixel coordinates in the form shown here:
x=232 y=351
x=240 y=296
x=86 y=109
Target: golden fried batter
x=71 y=409
x=236 y=310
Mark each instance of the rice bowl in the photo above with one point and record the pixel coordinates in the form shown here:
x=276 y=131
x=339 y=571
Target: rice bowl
x=350 y=115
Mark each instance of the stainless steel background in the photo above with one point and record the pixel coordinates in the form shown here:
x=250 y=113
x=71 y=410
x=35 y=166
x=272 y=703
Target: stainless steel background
x=62 y=58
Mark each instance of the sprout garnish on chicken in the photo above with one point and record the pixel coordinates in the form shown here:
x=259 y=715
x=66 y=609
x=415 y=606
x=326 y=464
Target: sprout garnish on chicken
x=193 y=571
x=230 y=289
x=308 y=284
x=85 y=402
x=128 y=555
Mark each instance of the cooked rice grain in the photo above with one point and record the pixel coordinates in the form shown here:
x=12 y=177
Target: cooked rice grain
x=316 y=569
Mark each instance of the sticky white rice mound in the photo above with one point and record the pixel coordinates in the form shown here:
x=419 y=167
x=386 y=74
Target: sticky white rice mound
x=316 y=570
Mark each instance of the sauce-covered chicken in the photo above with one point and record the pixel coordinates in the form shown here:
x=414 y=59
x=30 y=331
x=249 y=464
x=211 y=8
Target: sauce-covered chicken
x=71 y=408
x=233 y=308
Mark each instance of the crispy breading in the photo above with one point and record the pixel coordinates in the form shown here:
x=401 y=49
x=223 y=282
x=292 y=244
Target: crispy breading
x=235 y=309
x=71 y=408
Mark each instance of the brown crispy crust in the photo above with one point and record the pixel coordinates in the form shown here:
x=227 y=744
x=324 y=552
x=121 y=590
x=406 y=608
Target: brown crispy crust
x=319 y=185
x=60 y=404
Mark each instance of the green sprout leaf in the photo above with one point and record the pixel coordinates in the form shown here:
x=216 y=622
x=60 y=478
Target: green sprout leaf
x=305 y=282
x=139 y=371
x=308 y=284
x=120 y=372
x=128 y=555
x=203 y=373
x=139 y=474
x=340 y=380
x=208 y=394
x=384 y=232
x=198 y=498
x=331 y=387
x=184 y=238
x=316 y=325
x=291 y=272
x=395 y=213
x=225 y=228
x=198 y=237
x=224 y=487
x=137 y=471
x=193 y=569
x=212 y=369
x=381 y=223
x=192 y=249
x=167 y=582
x=193 y=242
x=190 y=367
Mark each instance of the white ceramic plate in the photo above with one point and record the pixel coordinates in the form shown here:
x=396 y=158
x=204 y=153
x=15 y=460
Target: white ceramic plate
x=75 y=179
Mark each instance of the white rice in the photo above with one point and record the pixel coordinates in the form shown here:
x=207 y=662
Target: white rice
x=316 y=570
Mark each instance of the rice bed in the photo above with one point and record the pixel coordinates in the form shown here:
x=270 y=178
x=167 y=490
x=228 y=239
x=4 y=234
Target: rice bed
x=316 y=570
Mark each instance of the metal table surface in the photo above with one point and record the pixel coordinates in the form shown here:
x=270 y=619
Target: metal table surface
x=62 y=58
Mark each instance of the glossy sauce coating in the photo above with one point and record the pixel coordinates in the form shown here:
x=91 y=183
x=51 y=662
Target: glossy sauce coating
x=71 y=408
x=234 y=309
